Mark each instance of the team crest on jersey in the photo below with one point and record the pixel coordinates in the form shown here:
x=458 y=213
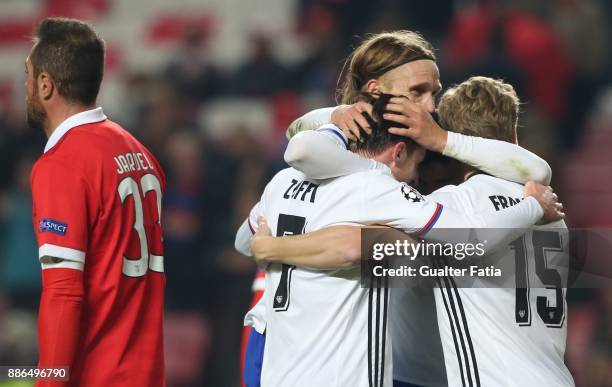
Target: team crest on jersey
x=411 y=194
x=53 y=226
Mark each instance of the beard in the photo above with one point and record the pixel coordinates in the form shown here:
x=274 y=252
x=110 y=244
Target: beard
x=36 y=116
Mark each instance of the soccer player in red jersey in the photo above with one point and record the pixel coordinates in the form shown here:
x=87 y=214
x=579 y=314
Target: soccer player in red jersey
x=96 y=206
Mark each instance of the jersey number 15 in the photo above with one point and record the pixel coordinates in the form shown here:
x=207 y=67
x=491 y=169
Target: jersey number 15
x=542 y=241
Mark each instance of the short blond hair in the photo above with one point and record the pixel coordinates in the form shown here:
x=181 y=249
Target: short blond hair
x=481 y=106
x=377 y=55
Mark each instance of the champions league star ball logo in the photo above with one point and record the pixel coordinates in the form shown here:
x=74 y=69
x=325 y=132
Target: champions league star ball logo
x=411 y=194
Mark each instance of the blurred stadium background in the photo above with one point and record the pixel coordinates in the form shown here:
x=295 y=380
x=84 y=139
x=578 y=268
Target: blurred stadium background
x=210 y=85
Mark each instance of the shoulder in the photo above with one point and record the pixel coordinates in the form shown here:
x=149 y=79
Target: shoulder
x=85 y=142
x=56 y=164
x=91 y=134
x=381 y=175
x=483 y=183
x=286 y=173
x=379 y=183
x=284 y=177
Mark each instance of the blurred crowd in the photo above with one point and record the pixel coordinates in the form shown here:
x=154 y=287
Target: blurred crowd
x=219 y=133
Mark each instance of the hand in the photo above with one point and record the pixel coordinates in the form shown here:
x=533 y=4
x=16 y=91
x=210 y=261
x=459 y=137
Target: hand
x=553 y=210
x=419 y=124
x=258 y=242
x=350 y=117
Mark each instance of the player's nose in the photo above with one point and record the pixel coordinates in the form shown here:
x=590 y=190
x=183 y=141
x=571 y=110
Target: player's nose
x=430 y=104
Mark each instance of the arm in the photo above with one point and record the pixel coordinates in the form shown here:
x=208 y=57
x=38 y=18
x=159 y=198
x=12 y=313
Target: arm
x=334 y=247
x=498 y=158
x=339 y=247
x=59 y=318
x=248 y=228
x=61 y=224
x=310 y=121
x=399 y=206
x=323 y=154
x=350 y=118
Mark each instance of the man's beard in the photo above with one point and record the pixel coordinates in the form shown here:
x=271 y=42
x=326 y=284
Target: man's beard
x=35 y=113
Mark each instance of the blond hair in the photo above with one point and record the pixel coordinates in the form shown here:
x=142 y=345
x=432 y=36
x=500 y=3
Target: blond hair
x=377 y=55
x=481 y=106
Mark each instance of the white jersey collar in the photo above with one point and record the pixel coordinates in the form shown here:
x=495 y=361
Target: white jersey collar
x=82 y=118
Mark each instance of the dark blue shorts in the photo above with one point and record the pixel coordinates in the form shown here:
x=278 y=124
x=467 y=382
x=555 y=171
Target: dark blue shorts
x=253 y=358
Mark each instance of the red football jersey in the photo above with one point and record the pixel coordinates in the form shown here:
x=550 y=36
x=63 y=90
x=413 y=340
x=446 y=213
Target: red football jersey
x=97 y=196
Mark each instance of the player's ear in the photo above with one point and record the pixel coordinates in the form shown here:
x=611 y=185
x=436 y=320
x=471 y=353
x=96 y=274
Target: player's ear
x=45 y=85
x=372 y=86
x=399 y=153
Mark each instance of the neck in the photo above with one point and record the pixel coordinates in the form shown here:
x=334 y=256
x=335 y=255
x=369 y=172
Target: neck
x=467 y=171
x=384 y=157
x=62 y=112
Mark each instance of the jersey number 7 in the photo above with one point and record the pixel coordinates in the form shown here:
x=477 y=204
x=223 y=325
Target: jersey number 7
x=147 y=260
x=287 y=225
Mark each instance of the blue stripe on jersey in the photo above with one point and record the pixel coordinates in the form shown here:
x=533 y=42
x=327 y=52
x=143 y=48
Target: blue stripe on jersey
x=434 y=218
x=336 y=132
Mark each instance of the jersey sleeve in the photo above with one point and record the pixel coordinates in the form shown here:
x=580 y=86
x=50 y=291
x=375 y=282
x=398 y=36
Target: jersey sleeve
x=310 y=121
x=498 y=158
x=387 y=201
x=242 y=242
x=324 y=154
x=62 y=210
x=245 y=233
x=401 y=206
x=496 y=228
x=452 y=197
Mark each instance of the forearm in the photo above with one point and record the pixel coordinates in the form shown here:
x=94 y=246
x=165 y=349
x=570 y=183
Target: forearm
x=498 y=158
x=330 y=248
x=310 y=121
x=320 y=155
x=59 y=318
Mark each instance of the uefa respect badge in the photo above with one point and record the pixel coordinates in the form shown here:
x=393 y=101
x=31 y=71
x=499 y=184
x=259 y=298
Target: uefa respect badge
x=53 y=226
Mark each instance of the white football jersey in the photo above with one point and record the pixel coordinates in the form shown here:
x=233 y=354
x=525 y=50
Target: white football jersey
x=501 y=334
x=418 y=357
x=322 y=328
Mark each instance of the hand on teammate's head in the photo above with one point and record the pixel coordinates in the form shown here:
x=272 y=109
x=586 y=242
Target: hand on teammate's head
x=553 y=209
x=350 y=119
x=416 y=123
